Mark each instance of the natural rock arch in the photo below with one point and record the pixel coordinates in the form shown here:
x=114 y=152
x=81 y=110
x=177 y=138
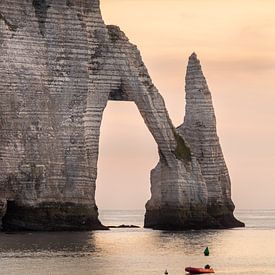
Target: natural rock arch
x=61 y=66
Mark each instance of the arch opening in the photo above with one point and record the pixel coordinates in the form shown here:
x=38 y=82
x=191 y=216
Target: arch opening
x=127 y=153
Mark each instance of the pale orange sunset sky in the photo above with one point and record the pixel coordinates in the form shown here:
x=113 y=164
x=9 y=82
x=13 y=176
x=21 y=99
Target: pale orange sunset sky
x=235 y=41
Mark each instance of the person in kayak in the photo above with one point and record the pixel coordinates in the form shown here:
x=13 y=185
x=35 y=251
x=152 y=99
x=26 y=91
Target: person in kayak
x=207 y=266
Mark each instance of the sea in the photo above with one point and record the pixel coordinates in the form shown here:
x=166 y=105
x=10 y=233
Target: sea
x=129 y=251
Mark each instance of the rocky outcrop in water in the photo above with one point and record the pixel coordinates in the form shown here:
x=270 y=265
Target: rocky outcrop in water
x=200 y=195
x=200 y=131
x=59 y=66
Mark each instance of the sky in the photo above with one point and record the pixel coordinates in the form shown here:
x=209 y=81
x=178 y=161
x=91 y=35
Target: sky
x=235 y=41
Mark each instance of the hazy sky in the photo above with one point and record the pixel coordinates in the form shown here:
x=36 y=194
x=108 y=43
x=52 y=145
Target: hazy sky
x=235 y=41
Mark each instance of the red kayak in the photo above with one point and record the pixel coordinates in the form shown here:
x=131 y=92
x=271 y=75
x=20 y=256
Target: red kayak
x=194 y=270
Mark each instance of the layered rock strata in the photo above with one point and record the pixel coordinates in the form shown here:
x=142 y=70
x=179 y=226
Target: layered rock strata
x=46 y=49
x=59 y=66
x=200 y=131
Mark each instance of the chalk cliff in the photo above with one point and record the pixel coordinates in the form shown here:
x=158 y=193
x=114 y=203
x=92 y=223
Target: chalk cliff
x=59 y=66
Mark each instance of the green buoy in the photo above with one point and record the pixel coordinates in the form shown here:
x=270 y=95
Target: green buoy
x=206 y=251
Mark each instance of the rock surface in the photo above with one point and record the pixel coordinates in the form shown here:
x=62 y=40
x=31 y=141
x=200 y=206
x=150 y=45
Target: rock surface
x=48 y=50
x=200 y=131
x=59 y=66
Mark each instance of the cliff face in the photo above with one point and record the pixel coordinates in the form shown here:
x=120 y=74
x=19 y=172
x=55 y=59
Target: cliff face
x=48 y=52
x=59 y=66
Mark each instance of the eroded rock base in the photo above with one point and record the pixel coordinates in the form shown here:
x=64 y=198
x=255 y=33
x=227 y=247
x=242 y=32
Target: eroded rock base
x=223 y=217
x=51 y=217
x=174 y=219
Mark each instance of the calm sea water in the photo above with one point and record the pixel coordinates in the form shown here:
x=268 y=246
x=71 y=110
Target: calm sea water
x=141 y=251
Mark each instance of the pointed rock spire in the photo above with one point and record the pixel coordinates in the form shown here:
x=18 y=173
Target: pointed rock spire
x=198 y=96
x=199 y=130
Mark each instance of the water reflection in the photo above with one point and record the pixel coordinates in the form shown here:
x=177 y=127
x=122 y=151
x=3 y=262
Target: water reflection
x=114 y=242
x=192 y=242
x=47 y=243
